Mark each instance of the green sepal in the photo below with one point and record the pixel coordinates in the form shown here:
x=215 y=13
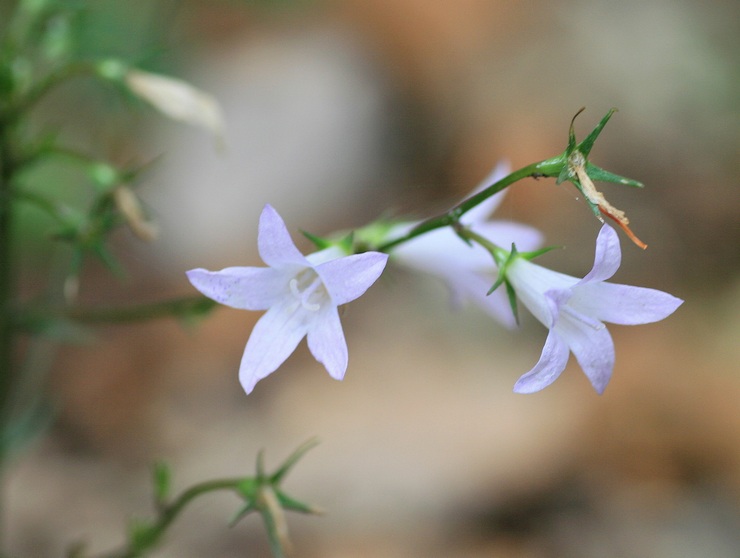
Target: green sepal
x=288 y=503
x=597 y=173
x=537 y=253
x=292 y=459
x=503 y=268
x=587 y=144
x=572 y=133
x=245 y=510
x=319 y=242
x=162 y=481
x=511 y=295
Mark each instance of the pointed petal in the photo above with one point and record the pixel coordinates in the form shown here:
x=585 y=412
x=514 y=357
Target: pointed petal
x=608 y=256
x=623 y=304
x=592 y=346
x=276 y=247
x=327 y=344
x=551 y=364
x=483 y=211
x=349 y=277
x=246 y=288
x=273 y=339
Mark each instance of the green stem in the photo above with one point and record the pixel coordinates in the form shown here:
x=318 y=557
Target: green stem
x=546 y=168
x=7 y=294
x=167 y=514
x=183 y=307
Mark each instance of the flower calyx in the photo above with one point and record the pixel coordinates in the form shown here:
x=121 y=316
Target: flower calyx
x=262 y=493
x=573 y=166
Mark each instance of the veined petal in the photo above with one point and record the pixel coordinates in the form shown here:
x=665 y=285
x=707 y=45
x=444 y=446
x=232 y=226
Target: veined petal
x=327 y=344
x=483 y=211
x=623 y=304
x=275 y=245
x=506 y=233
x=274 y=337
x=592 y=346
x=608 y=256
x=349 y=277
x=246 y=288
x=551 y=364
x=531 y=282
x=474 y=286
x=441 y=251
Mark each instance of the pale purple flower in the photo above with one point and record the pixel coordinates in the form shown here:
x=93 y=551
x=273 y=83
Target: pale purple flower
x=469 y=270
x=575 y=309
x=300 y=293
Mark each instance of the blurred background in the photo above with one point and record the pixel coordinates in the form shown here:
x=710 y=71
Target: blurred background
x=338 y=112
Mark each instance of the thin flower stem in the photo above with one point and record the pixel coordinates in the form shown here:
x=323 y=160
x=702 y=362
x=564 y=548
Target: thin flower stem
x=183 y=307
x=498 y=253
x=167 y=514
x=451 y=217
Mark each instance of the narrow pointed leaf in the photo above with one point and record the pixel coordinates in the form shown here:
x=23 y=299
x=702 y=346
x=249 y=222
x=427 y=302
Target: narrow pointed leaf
x=586 y=145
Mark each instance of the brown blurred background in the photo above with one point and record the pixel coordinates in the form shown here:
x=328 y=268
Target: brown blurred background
x=340 y=111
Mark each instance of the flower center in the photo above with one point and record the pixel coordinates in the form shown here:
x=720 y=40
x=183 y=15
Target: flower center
x=308 y=289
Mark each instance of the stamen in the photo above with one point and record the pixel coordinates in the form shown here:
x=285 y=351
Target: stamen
x=306 y=294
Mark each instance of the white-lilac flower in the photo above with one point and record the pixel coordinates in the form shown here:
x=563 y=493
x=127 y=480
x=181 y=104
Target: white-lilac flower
x=300 y=293
x=575 y=311
x=469 y=270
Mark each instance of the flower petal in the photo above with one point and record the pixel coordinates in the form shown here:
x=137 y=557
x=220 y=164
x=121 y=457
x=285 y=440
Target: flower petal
x=608 y=256
x=326 y=342
x=475 y=287
x=276 y=247
x=274 y=337
x=440 y=252
x=506 y=233
x=551 y=364
x=623 y=304
x=592 y=346
x=349 y=277
x=246 y=288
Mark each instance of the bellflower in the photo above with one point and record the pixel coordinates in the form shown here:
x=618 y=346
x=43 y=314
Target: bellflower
x=300 y=293
x=469 y=270
x=574 y=310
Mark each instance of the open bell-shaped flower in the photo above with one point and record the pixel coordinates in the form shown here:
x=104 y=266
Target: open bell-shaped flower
x=575 y=311
x=301 y=295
